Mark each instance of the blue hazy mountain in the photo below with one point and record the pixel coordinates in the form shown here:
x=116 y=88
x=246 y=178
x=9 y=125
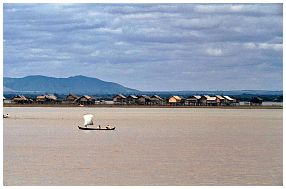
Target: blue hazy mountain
x=76 y=84
x=87 y=85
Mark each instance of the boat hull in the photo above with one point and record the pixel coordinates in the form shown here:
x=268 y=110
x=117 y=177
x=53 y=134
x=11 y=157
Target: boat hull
x=90 y=128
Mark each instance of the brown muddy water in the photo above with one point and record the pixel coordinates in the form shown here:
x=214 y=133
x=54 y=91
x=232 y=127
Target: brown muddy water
x=43 y=146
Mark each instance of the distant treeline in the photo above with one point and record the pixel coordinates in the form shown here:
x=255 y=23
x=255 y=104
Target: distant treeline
x=266 y=98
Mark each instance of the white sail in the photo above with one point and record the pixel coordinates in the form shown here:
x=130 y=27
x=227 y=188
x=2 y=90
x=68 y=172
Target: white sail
x=88 y=119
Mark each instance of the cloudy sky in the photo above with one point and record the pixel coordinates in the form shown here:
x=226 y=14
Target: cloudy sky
x=148 y=46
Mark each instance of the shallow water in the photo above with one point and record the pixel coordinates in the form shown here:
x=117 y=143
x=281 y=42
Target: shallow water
x=150 y=146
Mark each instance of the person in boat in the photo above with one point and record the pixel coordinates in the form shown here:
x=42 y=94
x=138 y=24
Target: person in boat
x=99 y=127
x=107 y=127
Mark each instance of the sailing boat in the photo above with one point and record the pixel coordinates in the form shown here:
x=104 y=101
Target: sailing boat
x=88 y=120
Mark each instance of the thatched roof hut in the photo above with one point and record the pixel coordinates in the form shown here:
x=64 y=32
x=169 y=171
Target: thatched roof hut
x=21 y=99
x=85 y=100
x=193 y=100
x=207 y=100
x=174 y=99
x=144 y=100
x=119 y=99
x=156 y=100
x=229 y=100
x=71 y=98
x=46 y=99
x=131 y=99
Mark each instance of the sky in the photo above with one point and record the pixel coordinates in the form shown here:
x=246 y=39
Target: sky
x=159 y=47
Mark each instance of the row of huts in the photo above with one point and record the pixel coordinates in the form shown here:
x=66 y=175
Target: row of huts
x=52 y=99
x=195 y=100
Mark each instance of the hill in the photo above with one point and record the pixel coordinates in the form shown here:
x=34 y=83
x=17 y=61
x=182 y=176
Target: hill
x=76 y=84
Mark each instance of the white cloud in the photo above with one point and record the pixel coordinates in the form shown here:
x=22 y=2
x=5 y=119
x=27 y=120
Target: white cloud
x=214 y=52
x=266 y=46
x=110 y=30
x=262 y=9
x=276 y=47
x=250 y=45
x=236 y=8
x=145 y=41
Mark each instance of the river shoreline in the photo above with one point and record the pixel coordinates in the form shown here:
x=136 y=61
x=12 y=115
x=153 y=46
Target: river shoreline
x=142 y=106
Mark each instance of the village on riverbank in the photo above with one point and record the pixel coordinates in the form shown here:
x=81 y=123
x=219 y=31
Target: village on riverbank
x=124 y=100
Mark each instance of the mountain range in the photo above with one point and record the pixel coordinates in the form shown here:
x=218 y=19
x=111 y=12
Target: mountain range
x=76 y=84
x=93 y=86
